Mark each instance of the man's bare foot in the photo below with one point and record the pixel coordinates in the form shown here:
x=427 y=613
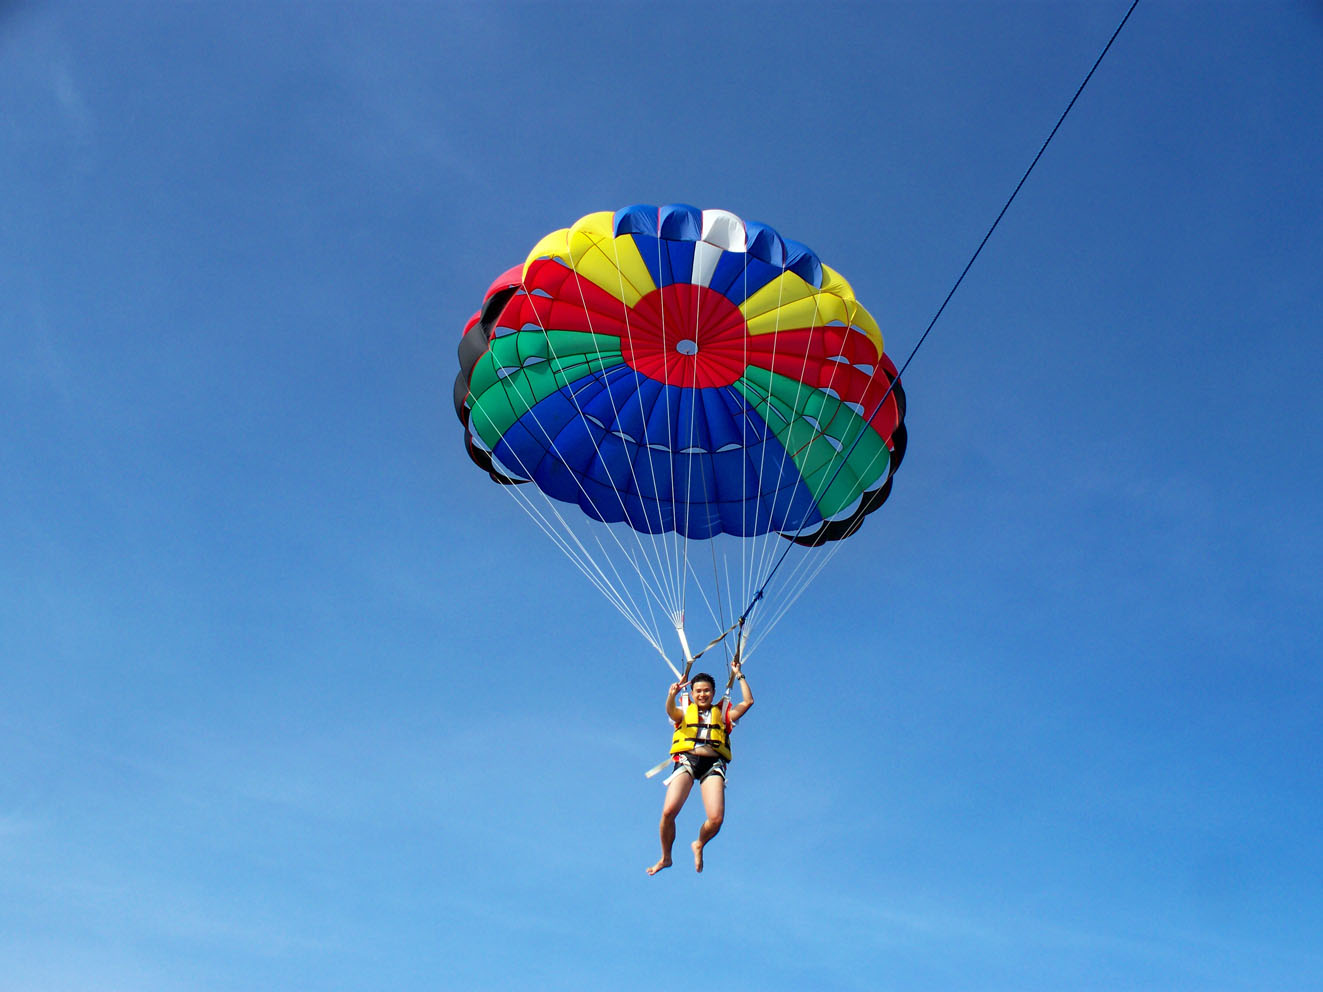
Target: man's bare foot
x=663 y=863
x=698 y=855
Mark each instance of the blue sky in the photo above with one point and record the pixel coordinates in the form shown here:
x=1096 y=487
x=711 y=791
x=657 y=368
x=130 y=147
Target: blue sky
x=292 y=699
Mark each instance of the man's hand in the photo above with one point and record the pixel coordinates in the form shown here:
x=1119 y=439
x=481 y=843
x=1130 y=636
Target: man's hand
x=672 y=711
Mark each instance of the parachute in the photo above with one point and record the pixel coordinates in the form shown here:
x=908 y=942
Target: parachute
x=671 y=392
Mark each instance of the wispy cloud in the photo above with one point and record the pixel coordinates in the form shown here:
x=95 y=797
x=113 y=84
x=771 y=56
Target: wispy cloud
x=76 y=113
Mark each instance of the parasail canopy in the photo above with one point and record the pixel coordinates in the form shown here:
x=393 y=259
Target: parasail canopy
x=676 y=377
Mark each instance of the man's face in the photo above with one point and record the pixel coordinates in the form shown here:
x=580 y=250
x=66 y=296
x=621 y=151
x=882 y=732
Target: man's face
x=702 y=693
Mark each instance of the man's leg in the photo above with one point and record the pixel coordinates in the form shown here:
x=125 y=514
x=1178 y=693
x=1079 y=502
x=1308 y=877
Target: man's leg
x=676 y=793
x=714 y=805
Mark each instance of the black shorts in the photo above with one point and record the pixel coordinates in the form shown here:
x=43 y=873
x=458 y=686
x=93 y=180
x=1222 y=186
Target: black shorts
x=700 y=766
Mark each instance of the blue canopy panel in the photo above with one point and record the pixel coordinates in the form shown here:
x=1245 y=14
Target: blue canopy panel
x=667 y=261
x=640 y=218
x=665 y=238
x=738 y=276
x=660 y=458
x=680 y=222
x=765 y=244
x=804 y=262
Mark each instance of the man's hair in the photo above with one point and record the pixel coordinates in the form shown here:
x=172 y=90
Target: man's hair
x=703 y=677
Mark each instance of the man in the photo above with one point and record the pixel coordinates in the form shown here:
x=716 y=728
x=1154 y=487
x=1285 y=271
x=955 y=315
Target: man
x=700 y=748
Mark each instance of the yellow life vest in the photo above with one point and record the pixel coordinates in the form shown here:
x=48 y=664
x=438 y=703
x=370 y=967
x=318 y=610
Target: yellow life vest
x=718 y=734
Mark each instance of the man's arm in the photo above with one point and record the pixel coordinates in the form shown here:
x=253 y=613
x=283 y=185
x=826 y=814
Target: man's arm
x=673 y=711
x=746 y=694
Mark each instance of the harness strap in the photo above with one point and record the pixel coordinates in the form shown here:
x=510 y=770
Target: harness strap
x=712 y=643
